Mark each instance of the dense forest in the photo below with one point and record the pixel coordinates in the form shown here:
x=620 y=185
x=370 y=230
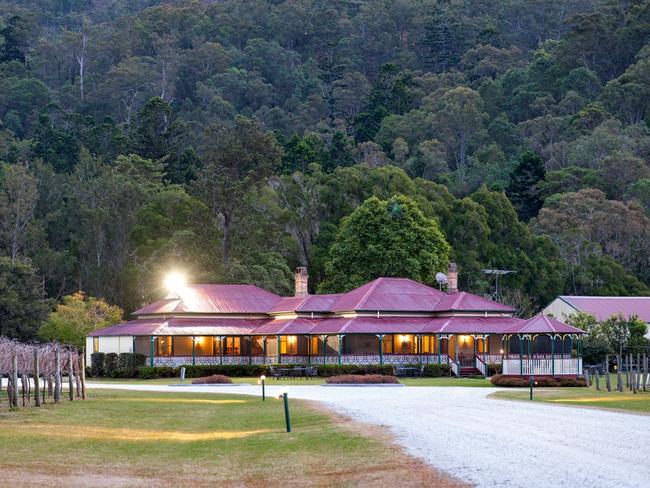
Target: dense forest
x=237 y=139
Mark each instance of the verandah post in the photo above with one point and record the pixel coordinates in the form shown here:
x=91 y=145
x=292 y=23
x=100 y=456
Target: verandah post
x=279 y=349
x=250 y=349
x=521 y=353
x=381 y=348
x=264 y=348
x=340 y=347
x=193 y=350
x=438 y=346
x=151 y=340
x=552 y=356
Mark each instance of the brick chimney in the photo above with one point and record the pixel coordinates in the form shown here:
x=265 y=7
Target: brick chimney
x=301 y=277
x=452 y=278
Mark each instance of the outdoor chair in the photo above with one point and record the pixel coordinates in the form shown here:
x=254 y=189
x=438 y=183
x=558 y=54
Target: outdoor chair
x=274 y=373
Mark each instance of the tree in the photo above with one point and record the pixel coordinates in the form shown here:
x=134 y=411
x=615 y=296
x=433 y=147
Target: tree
x=458 y=118
x=236 y=159
x=76 y=316
x=23 y=306
x=522 y=190
x=623 y=333
x=595 y=345
x=385 y=238
x=18 y=198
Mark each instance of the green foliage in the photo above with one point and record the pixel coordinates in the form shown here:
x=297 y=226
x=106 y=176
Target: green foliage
x=522 y=190
x=97 y=360
x=436 y=370
x=22 y=303
x=76 y=316
x=111 y=365
x=385 y=238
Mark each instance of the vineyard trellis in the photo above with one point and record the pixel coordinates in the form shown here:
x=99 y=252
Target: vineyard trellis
x=33 y=373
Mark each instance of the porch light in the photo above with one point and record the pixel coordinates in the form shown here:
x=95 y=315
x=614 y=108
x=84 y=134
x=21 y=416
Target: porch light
x=175 y=281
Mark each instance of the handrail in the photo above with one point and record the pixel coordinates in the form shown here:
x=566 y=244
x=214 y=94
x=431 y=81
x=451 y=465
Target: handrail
x=481 y=366
x=454 y=366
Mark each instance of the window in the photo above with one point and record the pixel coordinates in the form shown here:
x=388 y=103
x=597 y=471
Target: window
x=315 y=346
x=289 y=345
x=95 y=344
x=232 y=346
x=387 y=344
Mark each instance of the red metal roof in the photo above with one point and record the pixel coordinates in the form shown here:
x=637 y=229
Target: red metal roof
x=468 y=302
x=337 y=325
x=543 y=324
x=235 y=299
x=181 y=326
x=604 y=307
x=390 y=294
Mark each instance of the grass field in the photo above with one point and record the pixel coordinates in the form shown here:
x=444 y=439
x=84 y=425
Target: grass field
x=120 y=438
x=473 y=382
x=585 y=397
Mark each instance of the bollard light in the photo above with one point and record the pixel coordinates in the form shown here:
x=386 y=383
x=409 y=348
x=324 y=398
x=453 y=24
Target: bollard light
x=262 y=382
x=287 y=418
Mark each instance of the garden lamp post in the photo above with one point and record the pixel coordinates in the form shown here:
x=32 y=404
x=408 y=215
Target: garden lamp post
x=262 y=382
x=287 y=418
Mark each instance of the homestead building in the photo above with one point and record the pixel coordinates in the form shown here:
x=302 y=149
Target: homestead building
x=385 y=321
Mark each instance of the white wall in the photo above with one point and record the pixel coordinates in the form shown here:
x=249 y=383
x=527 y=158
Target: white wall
x=117 y=344
x=560 y=309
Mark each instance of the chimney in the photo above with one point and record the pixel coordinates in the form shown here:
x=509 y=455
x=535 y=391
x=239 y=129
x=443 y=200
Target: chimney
x=301 y=277
x=452 y=278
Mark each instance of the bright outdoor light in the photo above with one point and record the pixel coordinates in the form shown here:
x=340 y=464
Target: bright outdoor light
x=263 y=377
x=501 y=351
x=175 y=281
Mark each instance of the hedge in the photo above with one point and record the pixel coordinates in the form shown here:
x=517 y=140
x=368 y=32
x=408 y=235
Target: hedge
x=198 y=371
x=436 y=370
x=361 y=379
x=97 y=363
x=521 y=382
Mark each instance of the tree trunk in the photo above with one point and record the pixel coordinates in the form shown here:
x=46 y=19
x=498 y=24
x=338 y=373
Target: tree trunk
x=619 y=379
x=227 y=221
x=37 y=386
x=597 y=380
x=608 y=378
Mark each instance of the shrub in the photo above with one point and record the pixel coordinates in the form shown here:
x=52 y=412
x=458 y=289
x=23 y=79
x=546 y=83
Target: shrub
x=326 y=370
x=97 y=363
x=111 y=361
x=215 y=379
x=149 y=373
x=436 y=370
x=545 y=382
x=494 y=368
x=362 y=379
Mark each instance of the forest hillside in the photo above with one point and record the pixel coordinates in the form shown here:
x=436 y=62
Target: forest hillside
x=234 y=139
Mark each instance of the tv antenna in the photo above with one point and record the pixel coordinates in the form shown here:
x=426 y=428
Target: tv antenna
x=496 y=273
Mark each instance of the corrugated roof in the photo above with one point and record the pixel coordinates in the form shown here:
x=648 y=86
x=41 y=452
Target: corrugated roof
x=468 y=302
x=236 y=299
x=181 y=326
x=604 y=307
x=389 y=294
x=543 y=324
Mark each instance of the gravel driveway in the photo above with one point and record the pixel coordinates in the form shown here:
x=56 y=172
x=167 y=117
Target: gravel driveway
x=490 y=442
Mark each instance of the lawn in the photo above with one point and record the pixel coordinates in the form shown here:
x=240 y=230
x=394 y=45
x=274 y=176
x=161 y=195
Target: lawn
x=124 y=438
x=588 y=397
x=480 y=382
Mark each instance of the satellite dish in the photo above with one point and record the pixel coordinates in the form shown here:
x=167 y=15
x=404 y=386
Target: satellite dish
x=441 y=278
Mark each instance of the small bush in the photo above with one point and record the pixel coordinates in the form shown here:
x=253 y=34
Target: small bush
x=494 y=369
x=97 y=363
x=215 y=379
x=111 y=363
x=149 y=373
x=436 y=370
x=362 y=379
x=545 y=382
x=327 y=370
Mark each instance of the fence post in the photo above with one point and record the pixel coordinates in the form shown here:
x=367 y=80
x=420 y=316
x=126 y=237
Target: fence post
x=57 y=377
x=82 y=367
x=608 y=379
x=619 y=378
x=70 y=377
x=37 y=397
x=597 y=380
x=14 y=380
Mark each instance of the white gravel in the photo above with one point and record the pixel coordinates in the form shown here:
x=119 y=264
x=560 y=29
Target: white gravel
x=490 y=442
